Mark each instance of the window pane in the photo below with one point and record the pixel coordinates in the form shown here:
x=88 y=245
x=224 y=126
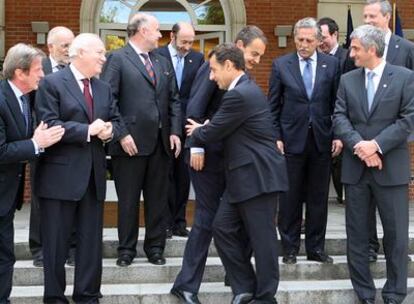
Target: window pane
x=113 y=42
x=113 y=11
x=166 y=11
x=209 y=13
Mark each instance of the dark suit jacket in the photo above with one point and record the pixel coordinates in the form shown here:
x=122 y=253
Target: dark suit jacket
x=143 y=107
x=389 y=122
x=192 y=62
x=253 y=166
x=15 y=149
x=346 y=63
x=47 y=66
x=400 y=52
x=292 y=110
x=64 y=169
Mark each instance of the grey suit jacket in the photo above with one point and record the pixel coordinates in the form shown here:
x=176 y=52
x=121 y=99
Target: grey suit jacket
x=401 y=52
x=389 y=122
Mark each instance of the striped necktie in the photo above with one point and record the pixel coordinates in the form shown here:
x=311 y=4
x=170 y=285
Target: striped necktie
x=149 y=68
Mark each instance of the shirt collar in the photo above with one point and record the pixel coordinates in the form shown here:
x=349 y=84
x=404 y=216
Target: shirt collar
x=313 y=57
x=53 y=62
x=234 y=82
x=378 y=70
x=78 y=75
x=17 y=92
x=387 y=37
x=136 y=48
x=333 y=51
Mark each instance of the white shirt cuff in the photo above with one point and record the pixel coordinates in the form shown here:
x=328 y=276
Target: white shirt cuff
x=196 y=150
x=36 y=147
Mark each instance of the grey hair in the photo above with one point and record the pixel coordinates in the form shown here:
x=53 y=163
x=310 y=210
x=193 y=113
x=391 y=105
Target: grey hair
x=137 y=22
x=20 y=56
x=82 y=42
x=369 y=36
x=385 y=6
x=308 y=22
x=52 y=36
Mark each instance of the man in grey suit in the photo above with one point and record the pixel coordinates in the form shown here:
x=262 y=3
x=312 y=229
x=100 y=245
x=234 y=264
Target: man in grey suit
x=398 y=51
x=144 y=86
x=374 y=115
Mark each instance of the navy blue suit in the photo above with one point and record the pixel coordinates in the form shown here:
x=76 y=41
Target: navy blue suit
x=205 y=99
x=16 y=149
x=305 y=127
x=179 y=173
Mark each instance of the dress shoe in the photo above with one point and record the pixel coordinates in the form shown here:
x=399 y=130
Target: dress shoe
x=169 y=233
x=320 y=256
x=156 y=258
x=367 y=302
x=289 y=258
x=390 y=301
x=183 y=232
x=372 y=256
x=185 y=297
x=243 y=298
x=124 y=260
x=71 y=258
x=38 y=262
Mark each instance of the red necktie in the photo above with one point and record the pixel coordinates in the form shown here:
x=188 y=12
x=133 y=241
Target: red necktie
x=88 y=98
x=149 y=68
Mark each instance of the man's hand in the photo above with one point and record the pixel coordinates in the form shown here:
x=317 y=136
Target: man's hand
x=45 y=137
x=175 y=143
x=96 y=127
x=106 y=133
x=192 y=125
x=336 y=147
x=280 y=146
x=365 y=148
x=197 y=161
x=128 y=145
x=373 y=161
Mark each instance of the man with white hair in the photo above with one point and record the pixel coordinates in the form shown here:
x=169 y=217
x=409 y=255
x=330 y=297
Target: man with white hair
x=22 y=71
x=70 y=177
x=145 y=89
x=374 y=114
x=59 y=39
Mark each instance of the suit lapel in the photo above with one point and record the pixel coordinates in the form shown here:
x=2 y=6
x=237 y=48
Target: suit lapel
x=384 y=83
x=393 y=48
x=73 y=87
x=97 y=96
x=137 y=62
x=14 y=106
x=320 y=73
x=157 y=69
x=295 y=71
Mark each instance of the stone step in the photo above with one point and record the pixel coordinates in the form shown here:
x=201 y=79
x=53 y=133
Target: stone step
x=142 y=272
x=335 y=244
x=290 y=292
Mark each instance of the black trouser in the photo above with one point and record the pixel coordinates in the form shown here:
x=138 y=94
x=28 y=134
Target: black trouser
x=7 y=258
x=392 y=203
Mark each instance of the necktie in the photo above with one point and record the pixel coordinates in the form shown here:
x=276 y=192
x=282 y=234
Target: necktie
x=149 y=68
x=307 y=77
x=179 y=70
x=26 y=112
x=88 y=98
x=60 y=66
x=370 y=89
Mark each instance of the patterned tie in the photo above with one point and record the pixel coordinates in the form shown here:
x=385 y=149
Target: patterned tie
x=149 y=68
x=370 y=89
x=26 y=112
x=307 y=77
x=88 y=98
x=60 y=66
x=179 y=70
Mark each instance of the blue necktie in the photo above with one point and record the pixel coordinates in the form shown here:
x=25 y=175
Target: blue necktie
x=26 y=112
x=179 y=70
x=307 y=77
x=370 y=89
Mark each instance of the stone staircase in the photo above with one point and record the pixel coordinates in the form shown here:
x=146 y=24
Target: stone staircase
x=303 y=283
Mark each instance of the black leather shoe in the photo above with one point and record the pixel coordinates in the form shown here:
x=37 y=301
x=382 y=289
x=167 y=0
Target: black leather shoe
x=367 y=302
x=71 y=257
x=156 y=258
x=372 y=256
x=38 y=262
x=185 y=297
x=289 y=258
x=124 y=260
x=390 y=301
x=243 y=298
x=320 y=256
x=183 y=232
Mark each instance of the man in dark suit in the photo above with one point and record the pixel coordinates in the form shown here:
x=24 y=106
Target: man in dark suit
x=58 y=41
x=186 y=63
x=22 y=71
x=254 y=172
x=144 y=86
x=70 y=180
x=207 y=168
x=302 y=89
x=398 y=51
x=374 y=114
